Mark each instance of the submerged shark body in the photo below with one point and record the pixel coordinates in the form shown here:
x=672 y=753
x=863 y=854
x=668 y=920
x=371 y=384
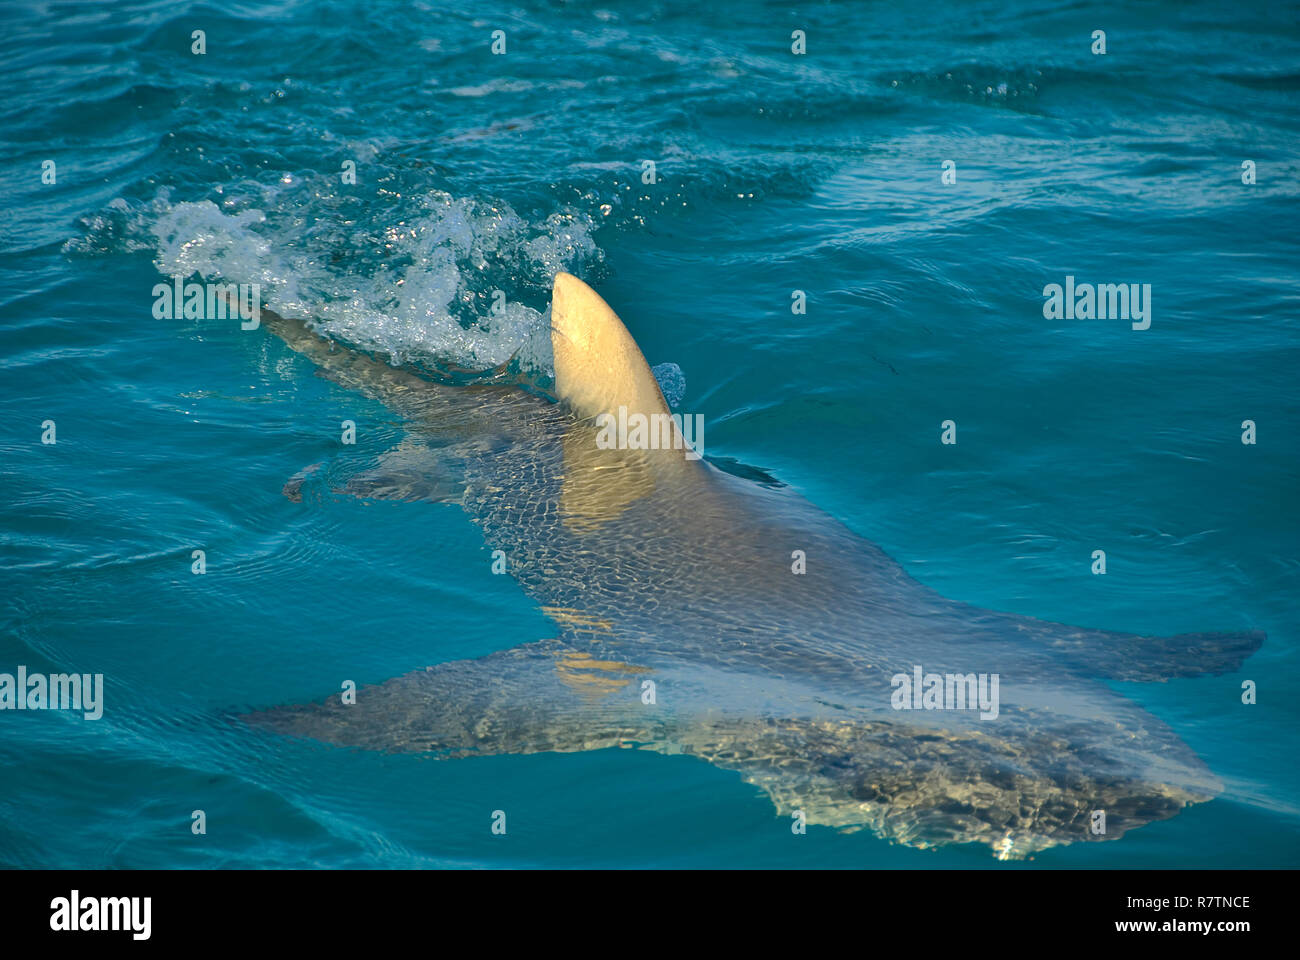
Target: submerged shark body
x=684 y=628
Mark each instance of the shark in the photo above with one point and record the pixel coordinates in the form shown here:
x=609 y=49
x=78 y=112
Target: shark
x=702 y=612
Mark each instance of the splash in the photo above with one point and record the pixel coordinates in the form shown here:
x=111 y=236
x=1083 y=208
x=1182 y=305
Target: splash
x=445 y=281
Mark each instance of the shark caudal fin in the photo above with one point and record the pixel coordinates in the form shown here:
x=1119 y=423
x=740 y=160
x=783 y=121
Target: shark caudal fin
x=598 y=366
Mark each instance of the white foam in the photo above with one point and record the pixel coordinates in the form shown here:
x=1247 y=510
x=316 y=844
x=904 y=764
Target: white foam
x=417 y=283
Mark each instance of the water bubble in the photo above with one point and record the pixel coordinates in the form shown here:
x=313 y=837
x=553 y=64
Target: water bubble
x=671 y=381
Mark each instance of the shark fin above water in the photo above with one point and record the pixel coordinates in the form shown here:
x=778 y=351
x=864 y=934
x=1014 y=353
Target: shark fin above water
x=598 y=365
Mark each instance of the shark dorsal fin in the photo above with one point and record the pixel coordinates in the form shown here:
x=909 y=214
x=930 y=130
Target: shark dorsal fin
x=598 y=366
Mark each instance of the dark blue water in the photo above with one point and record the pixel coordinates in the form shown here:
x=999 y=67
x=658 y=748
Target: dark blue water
x=479 y=172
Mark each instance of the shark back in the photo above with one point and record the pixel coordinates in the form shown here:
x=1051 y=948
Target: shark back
x=768 y=635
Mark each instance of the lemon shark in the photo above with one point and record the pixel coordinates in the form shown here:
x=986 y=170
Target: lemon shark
x=702 y=613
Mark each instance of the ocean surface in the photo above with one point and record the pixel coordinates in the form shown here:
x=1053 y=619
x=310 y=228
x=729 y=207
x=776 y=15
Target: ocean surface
x=479 y=172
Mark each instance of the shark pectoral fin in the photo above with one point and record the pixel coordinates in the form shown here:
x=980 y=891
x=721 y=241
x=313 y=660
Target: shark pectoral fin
x=409 y=471
x=292 y=488
x=1127 y=656
x=1019 y=788
x=404 y=485
x=530 y=699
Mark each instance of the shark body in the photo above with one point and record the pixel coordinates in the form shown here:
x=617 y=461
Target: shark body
x=683 y=628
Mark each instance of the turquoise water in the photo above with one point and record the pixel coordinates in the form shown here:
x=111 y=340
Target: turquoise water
x=479 y=172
